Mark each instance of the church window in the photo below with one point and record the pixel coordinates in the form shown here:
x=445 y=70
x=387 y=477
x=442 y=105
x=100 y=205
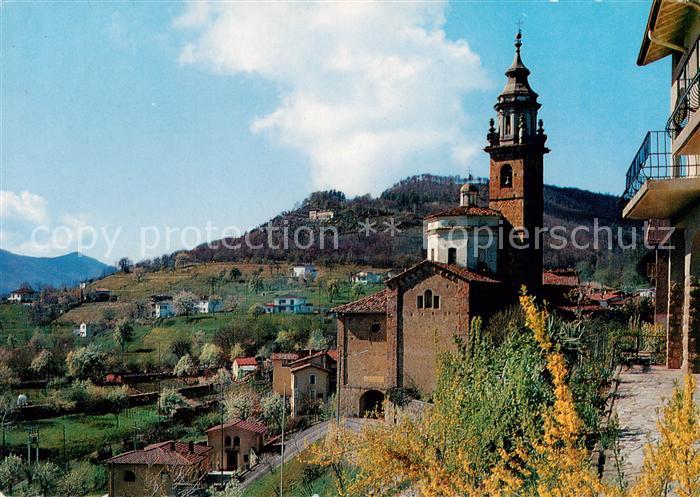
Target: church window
x=428 y=299
x=375 y=327
x=312 y=379
x=508 y=128
x=436 y=301
x=432 y=254
x=419 y=301
x=452 y=255
x=506 y=176
x=227 y=441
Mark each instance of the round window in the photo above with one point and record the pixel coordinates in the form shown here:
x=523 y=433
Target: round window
x=375 y=327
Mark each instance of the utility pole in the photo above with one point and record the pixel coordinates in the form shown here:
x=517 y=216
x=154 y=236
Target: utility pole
x=284 y=409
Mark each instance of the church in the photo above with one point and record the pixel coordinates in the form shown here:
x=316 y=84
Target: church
x=477 y=259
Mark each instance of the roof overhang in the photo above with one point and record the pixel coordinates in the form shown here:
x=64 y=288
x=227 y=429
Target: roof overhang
x=662 y=198
x=665 y=29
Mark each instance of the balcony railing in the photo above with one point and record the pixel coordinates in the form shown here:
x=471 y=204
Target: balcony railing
x=686 y=79
x=654 y=160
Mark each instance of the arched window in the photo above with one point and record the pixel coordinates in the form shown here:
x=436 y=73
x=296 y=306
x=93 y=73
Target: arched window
x=506 y=176
x=436 y=301
x=236 y=441
x=312 y=379
x=428 y=299
x=227 y=441
x=129 y=476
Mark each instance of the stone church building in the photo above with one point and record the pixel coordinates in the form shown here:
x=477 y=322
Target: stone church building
x=394 y=337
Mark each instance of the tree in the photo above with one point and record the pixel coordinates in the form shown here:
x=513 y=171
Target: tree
x=232 y=489
x=256 y=310
x=123 y=333
x=45 y=475
x=232 y=303
x=240 y=405
x=271 y=408
x=125 y=264
x=234 y=274
x=182 y=260
x=181 y=347
x=81 y=479
x=185 y=303
x=236 y=352
x=333 y=289
x=8 y=378
x=43 y=364
x=184 y=367
x=255 y=283
x=210 y=356
x=87 y=363
x=317 y=341
x=358 y=290
x=12 y=471
x=171 y=400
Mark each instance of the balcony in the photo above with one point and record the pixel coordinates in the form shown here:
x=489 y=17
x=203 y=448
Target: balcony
x=659 y=183
x=684 y=122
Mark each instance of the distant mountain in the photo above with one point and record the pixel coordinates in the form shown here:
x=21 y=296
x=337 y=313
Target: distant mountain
x=39 y=272
x=408 y=202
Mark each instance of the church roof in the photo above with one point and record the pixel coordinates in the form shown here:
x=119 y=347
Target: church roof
x=454 y=269
x=517 y=74
x=373 y=304
x=464 y=210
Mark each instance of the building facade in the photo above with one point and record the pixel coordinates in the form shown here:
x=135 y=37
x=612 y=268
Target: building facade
x=663 y=181
x=235 y=444
x=394 y=338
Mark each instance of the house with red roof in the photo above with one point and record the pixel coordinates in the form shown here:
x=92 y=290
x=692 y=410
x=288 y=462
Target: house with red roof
x=159 y=470
x=236 y=444
x=243 y=366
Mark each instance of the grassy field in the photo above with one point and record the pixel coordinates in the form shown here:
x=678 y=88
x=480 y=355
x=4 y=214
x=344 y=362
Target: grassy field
x=295 y=482
x=83 y=434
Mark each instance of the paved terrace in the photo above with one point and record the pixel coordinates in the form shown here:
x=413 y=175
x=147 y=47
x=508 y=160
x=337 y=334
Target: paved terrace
x=640 y=396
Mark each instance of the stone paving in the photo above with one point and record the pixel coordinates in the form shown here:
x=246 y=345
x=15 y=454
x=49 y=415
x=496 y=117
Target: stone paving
x=640 y=397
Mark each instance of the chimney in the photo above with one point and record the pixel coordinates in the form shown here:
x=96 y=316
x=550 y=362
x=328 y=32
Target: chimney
x=191 y=447
x=172 y=445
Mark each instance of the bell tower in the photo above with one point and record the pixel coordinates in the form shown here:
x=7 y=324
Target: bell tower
x=516 y=146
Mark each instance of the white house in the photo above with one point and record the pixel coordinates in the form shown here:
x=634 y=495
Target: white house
x=208 y=306
x=23 y=296
x=164 y=309
x=294 y=304
x=367 y=278
x=242 y=366
x=305 y=271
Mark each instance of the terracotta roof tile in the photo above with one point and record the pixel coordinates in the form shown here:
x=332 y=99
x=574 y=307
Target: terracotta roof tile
x=560 y=278
x=284 y=356
x=309 y=365
x=246 y=361
x=243 y=425
x=465 y=211
x=168 y=453
x=373 y=304
x=462 y=272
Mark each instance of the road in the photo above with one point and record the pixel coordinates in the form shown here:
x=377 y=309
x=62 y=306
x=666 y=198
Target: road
x=298 y=443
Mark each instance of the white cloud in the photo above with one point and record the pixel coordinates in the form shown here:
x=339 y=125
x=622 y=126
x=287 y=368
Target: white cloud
x=23 y=206
x=368 y=91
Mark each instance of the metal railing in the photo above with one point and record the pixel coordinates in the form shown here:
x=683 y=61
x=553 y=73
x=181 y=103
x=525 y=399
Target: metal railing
x=687 y=90
x=654 y=160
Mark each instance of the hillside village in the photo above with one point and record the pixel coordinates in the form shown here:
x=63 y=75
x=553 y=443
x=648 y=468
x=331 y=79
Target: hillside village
x=222 y=373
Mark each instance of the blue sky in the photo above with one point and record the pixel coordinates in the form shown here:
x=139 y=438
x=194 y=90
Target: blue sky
x=120 y=116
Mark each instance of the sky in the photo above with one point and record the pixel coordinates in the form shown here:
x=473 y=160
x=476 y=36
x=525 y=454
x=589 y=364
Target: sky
x=139 y=128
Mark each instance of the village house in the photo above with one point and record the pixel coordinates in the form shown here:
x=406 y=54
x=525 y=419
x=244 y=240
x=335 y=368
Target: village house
x=292 y=378
x=242 y=366
x=663 y=180
x=159 y=470
x=163 y=309
x=367 y=278
x=236 y=444
x=209 y=306
x=393 y=339
x=294 y=304
x=321 y=215
x=306 y=272
x=23 y=296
